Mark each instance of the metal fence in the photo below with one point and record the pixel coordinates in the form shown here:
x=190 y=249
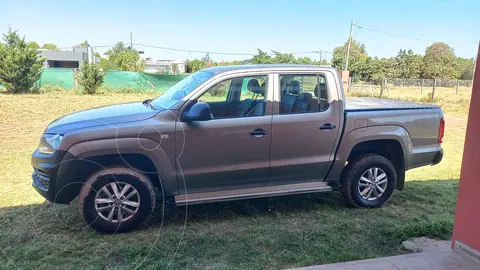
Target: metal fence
x=428 y=82
x=414 y=88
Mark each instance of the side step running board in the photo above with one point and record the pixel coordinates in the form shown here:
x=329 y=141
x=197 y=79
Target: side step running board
x=248 y=193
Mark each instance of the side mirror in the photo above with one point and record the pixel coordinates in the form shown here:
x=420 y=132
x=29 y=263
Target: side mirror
x=198 y=112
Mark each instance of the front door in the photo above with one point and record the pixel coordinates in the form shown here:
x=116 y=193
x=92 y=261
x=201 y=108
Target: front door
x=306 y=128
x=233 y=148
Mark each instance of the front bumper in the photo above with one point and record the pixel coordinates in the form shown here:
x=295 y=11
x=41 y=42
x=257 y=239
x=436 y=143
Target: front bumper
x=438 y=157
x=53 y=176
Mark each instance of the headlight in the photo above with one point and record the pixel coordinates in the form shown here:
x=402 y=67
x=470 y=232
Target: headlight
x=49 y=143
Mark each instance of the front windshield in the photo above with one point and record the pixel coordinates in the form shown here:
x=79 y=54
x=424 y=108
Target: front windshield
x=180 y=90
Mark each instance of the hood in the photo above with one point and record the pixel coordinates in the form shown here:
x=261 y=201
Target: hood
x=109 y=115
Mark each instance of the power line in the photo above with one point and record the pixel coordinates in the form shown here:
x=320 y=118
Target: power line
x=424 y=6
x=412 y=38
x=96 y=46
x=195 y=51
x=310 y=52
x=358 y=31
x=222 y=53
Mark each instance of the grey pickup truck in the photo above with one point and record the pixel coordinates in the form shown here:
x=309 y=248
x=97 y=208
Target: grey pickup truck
x=229 y=133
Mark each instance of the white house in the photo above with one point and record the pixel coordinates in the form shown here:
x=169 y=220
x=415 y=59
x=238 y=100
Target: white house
x=159 y=66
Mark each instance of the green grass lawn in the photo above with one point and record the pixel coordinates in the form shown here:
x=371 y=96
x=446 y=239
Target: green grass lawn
x=281 y=232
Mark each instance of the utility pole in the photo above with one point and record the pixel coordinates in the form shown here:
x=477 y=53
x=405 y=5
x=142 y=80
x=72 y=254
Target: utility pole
x=348 y=46
x=131 y=41
x=321 y=55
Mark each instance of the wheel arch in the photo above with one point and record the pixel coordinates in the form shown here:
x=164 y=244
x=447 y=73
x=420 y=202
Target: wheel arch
x=86 y=158
x=390 y=149
x=390 y=141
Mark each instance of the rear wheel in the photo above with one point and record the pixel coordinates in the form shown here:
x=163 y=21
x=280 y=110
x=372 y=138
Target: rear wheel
x=116 y=200
x=369 y=181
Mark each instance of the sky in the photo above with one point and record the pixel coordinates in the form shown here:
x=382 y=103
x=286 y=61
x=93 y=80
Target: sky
x=243 y=26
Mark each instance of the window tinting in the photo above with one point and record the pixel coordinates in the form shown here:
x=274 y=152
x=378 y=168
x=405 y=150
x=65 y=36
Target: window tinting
x=303 y=93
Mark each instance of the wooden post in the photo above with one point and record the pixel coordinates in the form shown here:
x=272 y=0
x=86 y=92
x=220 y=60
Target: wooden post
x=361 y=88
x=75 y=79
x=421 y=89
x=381 y=86
x=456 y=91
x=433 y=90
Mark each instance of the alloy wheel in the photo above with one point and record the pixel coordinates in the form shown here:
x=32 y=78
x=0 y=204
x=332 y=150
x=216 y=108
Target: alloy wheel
x=372 y=184
x=117 y=202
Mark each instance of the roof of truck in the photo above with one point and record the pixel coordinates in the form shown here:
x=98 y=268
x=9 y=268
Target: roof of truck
x=221 y=69
x=374 y=104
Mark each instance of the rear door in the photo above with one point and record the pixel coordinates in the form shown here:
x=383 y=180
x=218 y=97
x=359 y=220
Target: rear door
x=305 y=129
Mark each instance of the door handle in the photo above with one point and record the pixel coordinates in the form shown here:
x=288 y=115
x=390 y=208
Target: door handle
x=327 y=126
x=258 y=133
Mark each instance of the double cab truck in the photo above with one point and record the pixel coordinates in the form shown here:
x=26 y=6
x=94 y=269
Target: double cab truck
x=230 y=133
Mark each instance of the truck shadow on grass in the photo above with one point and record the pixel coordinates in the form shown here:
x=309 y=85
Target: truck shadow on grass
x=294 y=231
x=417 y=195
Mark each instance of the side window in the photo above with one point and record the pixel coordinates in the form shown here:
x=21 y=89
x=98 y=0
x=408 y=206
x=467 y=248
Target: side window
x=303 y=93
x=238 y=97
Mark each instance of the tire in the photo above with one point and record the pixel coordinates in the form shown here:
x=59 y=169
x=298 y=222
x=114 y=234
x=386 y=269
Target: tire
x=358 y=191
x=136 y=204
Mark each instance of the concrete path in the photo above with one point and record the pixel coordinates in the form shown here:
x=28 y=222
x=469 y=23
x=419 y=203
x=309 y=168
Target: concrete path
x=439 y=260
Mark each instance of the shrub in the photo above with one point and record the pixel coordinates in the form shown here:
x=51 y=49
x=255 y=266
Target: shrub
x=91 y=78
x=20 y=63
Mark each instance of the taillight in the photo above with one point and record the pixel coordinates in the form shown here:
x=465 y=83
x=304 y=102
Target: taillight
x=441 y=131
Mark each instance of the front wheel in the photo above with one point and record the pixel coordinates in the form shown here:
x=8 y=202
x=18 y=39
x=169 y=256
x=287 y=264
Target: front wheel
x=116 y=200
x=369 y=181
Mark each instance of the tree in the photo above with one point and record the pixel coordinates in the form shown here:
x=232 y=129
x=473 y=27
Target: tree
x=283 y=58
x=465 y=68
x=20 y=64
x=232 y=63
x=408 y=65
x=306 y=61
x=107 y=64
x=129 y=61
x=356 y=62
x=207 y=60
x=83 y=44
x=379 y=69
x=33 y=45
x=117 y=49
x=125 y=58
x=261 y=58
x=195 y=65
x=440 y=61
x=91 y=77
x=50 y=46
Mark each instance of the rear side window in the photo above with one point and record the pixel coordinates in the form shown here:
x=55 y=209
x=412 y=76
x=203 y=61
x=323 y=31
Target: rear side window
x=303 y=93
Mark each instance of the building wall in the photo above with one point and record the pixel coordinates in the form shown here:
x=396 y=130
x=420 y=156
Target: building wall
x=160 y=65
x=467 y=215
x=79 y=57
